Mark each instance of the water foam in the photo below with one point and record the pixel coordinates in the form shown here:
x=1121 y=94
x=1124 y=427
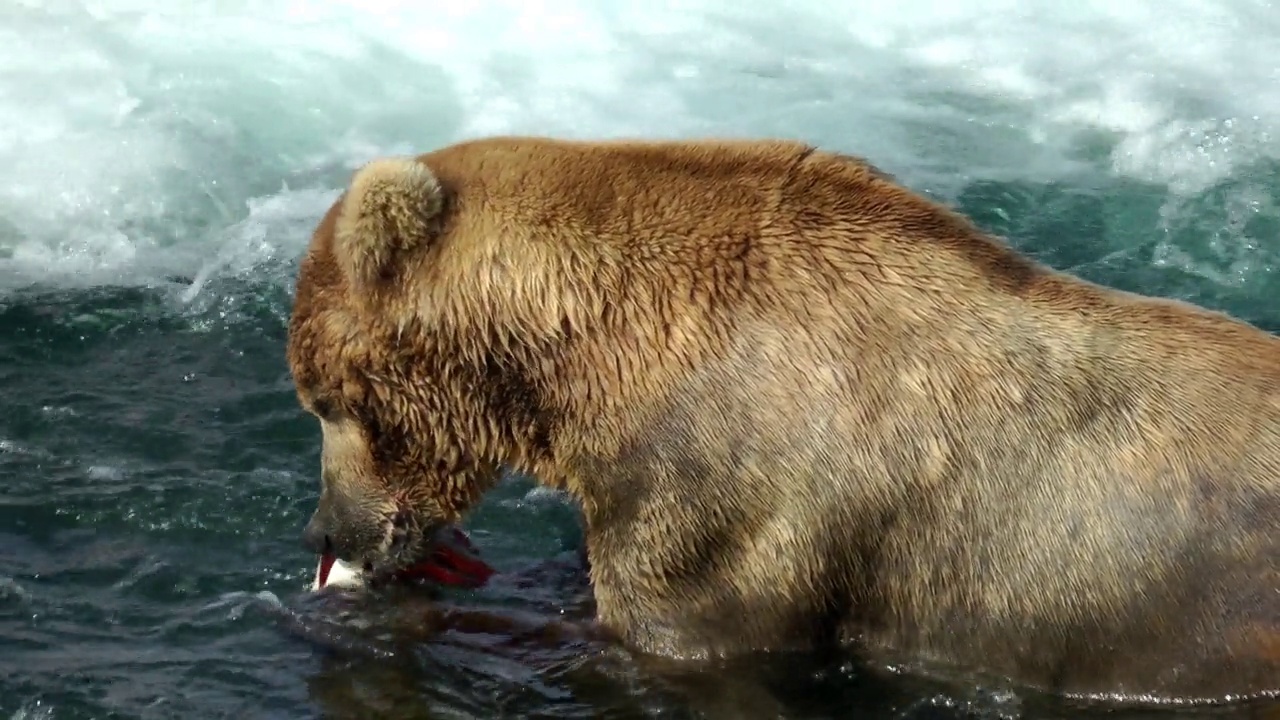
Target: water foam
x=148 y=139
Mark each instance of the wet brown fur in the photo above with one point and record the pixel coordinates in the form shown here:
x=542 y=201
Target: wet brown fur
x=801 y=404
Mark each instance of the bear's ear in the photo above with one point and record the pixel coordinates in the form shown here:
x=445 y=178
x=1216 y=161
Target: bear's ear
x=391 y=206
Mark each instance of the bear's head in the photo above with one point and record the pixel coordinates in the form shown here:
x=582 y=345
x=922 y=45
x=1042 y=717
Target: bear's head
x=401 y=345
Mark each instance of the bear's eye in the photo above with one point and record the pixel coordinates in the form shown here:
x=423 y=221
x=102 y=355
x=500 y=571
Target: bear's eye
x=323 y=407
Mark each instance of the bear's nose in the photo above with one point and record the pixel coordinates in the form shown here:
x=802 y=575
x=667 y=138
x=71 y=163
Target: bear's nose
x=316 y=538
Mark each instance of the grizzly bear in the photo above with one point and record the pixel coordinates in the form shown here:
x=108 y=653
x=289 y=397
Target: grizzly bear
x=800 y=406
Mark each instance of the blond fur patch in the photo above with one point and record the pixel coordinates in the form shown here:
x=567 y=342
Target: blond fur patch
x=390 y=208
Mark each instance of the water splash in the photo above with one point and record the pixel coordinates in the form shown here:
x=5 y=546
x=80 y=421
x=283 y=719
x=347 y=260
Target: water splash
x=203 y=139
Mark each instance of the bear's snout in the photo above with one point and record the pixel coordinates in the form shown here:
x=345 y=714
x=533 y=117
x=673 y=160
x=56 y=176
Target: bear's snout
x=315 y=536
x=343 y=528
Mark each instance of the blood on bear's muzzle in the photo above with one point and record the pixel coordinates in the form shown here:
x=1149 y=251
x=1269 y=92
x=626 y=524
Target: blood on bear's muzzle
x=452 y=561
